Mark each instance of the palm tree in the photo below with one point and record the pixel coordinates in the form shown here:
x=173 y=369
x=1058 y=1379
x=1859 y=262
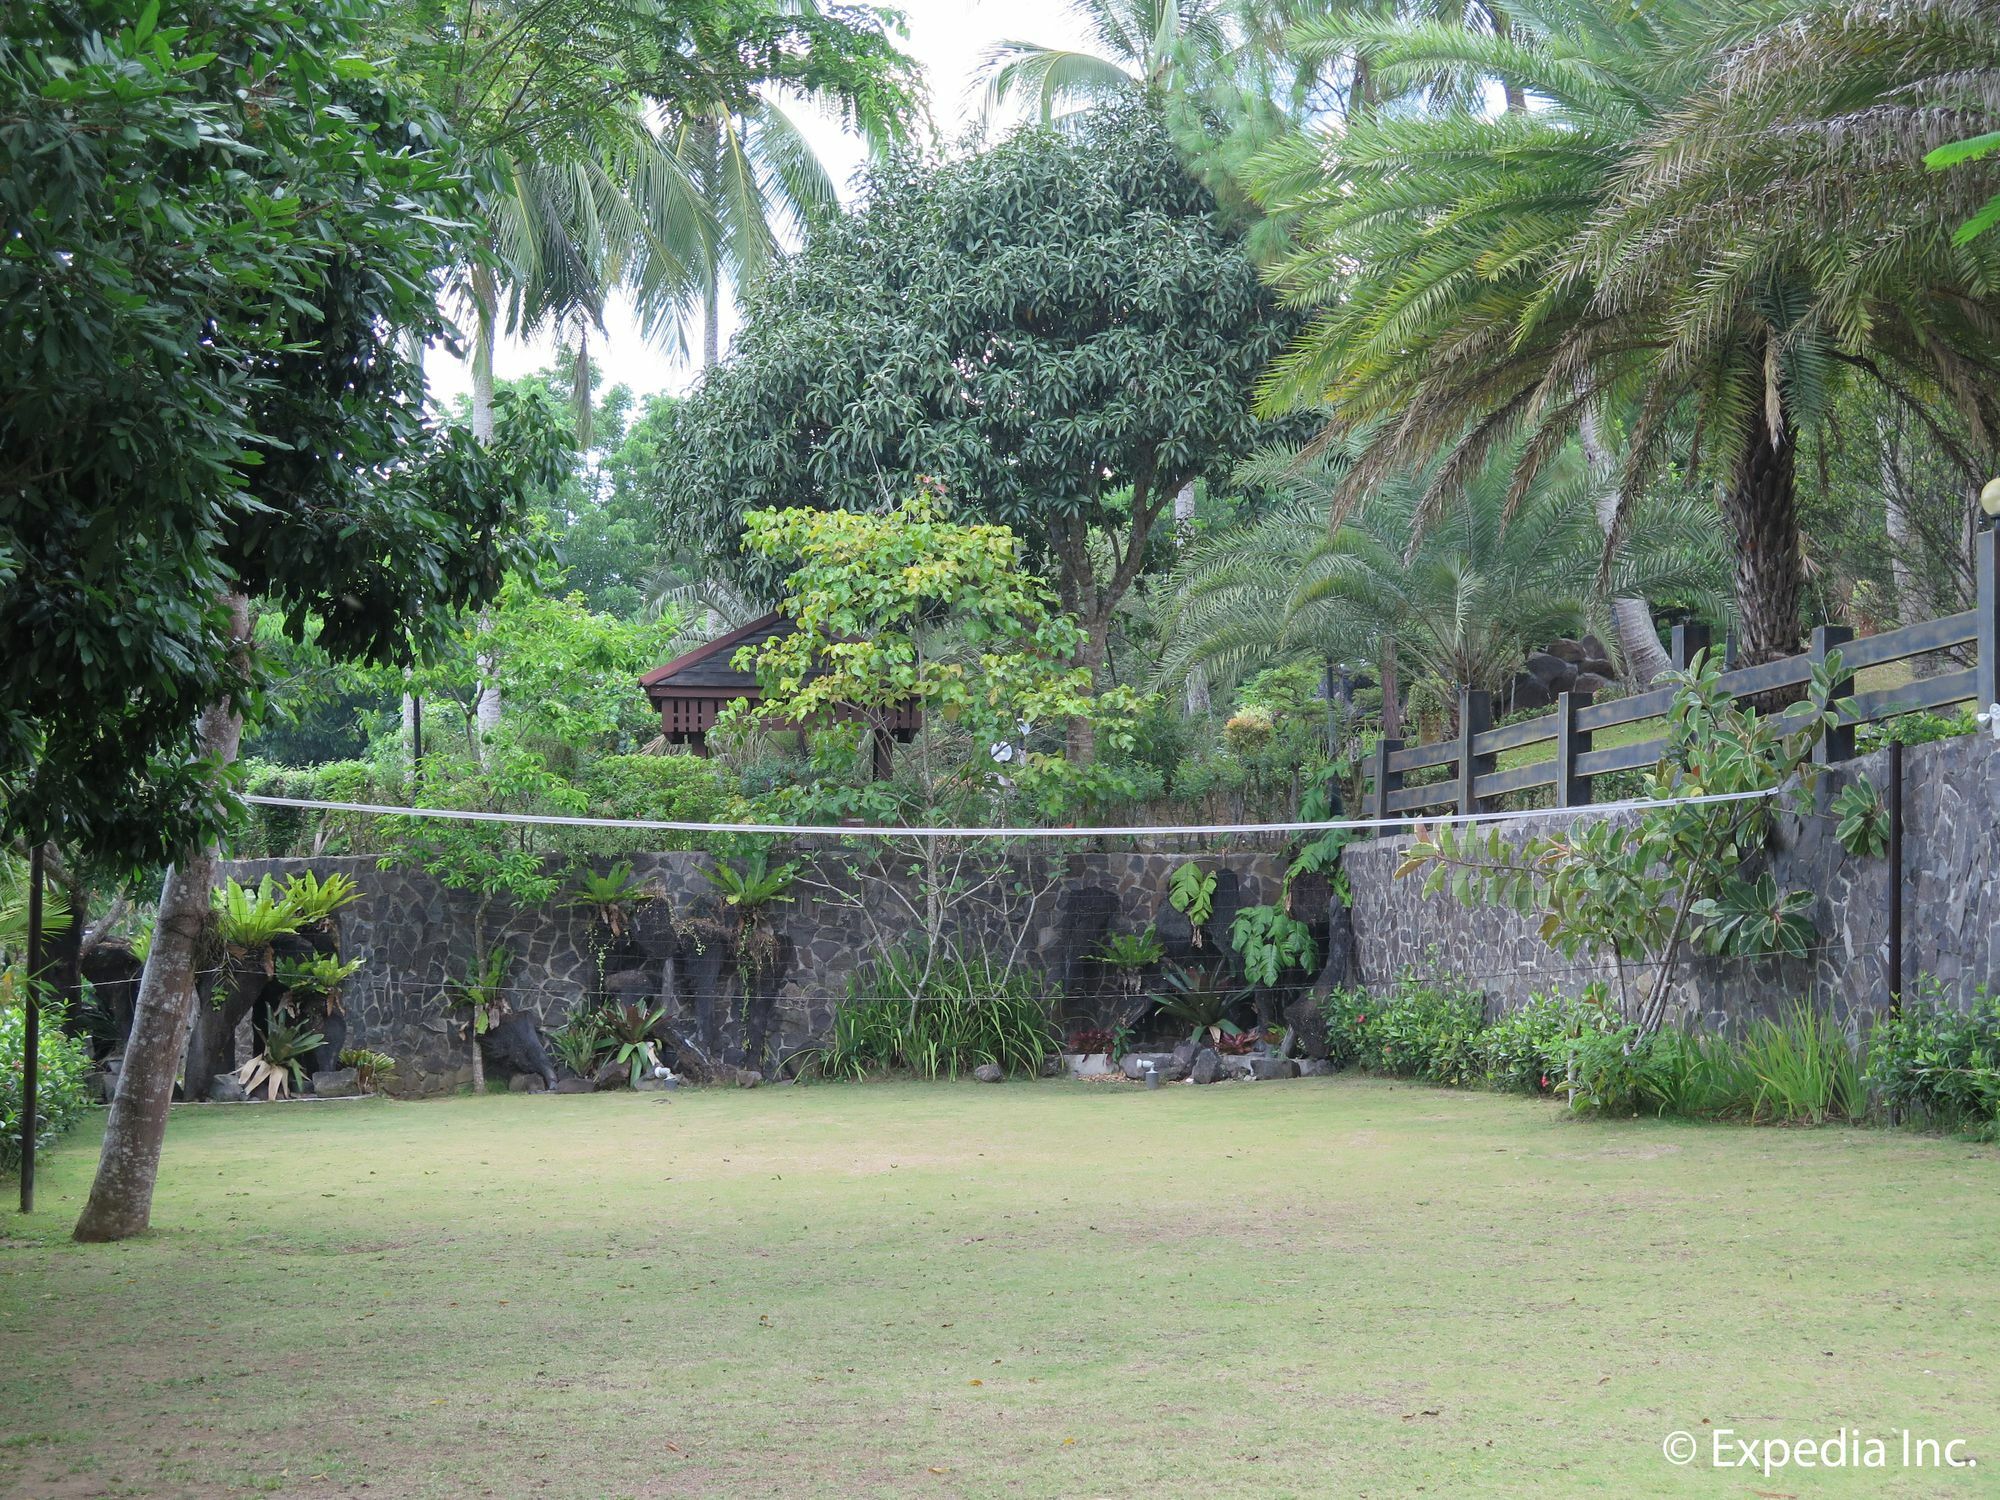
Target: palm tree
x=1458 y=600
x=1154 y=45
x=1679 y=230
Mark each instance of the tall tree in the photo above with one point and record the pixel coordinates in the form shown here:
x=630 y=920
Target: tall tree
x=1712 y=211
x=207 y=308
x=1061 y=330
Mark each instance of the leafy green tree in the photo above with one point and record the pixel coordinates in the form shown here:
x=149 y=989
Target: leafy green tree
x=208 y=296
x=1059 y=330
x=1473 y=277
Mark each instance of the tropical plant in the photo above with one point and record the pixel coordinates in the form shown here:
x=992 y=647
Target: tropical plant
x=1956 y=154
x=1202 y=998
x=315 y=900
x=1191 y=892
x=937 y=1017
x=319 y=977
x=371 y=1069
x=1130 y=951
x=628 y=1038
x=1862 y=822
x=251 y=918
x=62 y=1061
x=1638 y=893
x=482 y=994
x=1153 y=46
x=1806 y=1071
x=611 y=894
x=578 y=1041
x=747 y=889
x=281 y=1066
x=1938 y=1062
x=1473 y=277
x=1270 y=941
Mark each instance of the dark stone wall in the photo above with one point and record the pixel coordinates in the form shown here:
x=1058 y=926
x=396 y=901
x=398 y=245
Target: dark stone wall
x=1951 y=907
x=413 y=935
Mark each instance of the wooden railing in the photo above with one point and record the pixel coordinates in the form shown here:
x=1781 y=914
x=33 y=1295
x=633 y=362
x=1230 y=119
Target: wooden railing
x=1473 y=756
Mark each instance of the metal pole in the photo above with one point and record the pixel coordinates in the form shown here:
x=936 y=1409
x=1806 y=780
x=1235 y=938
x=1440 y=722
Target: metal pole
x=31 y=1049
x=416 y=735
x=1895 y=878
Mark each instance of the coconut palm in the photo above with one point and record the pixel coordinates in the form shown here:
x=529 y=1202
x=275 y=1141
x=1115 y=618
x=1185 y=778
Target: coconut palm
x=1456 y=600
x=1714 y=213
x=1150 y=44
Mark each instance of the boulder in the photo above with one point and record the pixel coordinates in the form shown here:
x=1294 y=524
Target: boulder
x=225 y=1089
x=1594 y=649
x=337 y=1083
x=1316 y=1067
x=100 y=1085
x=989 y=1073
x=1052 y=1065
x=1273 y=1067
x=1569 y=650
x=1234 y=1066
x=526 y=1083
x=1589 y=682
x=1136 y=1065
x=1307 y=1027
x=612 y=1074
x=1599 y=666
x=630 y=987
x=658 y=1085
x=573 y=1086
x=1207 y=1066
x=1528 y=691
x=1553 y=672
x=1184 y=1058
x=515 y=1046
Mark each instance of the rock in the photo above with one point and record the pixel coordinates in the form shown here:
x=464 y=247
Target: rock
x=612 y=1074
x=748 y=1078
x=1052 y=1065
x=1273 y=1067
x=526 y=1083
x=1589 y=682
x=1528 y=691
x=226 y=1089
x=1316 y=1067
x=1553 y=672
x=100 y=1085
x=1207 y=1066
x=1594 y=649
x=1308 y=1027
x=1184 y=1058
x=630 y=987
x=573 y=1086
x=657 y=1085
x=1567 y=649
x=1234 y=1066
x=514 y=1046
x=1599 y=666
x=989 y=1073
x=337 y=1083
x=1136 y=1065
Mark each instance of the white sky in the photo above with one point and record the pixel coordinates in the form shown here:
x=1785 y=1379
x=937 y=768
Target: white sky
x=947 y=38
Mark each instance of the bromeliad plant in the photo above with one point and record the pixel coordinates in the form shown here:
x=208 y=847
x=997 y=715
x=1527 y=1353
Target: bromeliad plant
x=282 y=1064
x=371 y=1069
x=629 y=1036
x=1642 y=892
x=612 y=895
x=577 y=1042
x=747 y=891
x=1202 y=998
x=318 y=978
x=251 y=918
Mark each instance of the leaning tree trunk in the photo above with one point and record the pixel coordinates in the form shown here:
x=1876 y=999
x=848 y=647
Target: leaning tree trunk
x=486 y=308
x=121 y=1198
x=1761 y=506
x=1199 y=702
x=1639 y=649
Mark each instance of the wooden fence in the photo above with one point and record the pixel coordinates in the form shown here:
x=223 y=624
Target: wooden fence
x=1472 y=757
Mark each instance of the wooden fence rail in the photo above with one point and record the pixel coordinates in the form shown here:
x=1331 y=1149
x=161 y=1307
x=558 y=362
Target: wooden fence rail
x=1472 y=756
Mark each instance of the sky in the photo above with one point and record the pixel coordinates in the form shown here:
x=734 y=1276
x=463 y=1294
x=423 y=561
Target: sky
x=947 y=38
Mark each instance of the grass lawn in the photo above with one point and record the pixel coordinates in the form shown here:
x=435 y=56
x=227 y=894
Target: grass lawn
x=1326 y=1287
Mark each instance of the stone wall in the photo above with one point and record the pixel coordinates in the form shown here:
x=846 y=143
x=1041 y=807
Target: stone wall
x=1951 y=907
x=413 y=935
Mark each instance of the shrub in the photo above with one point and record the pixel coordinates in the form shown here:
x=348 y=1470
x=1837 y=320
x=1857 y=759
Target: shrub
x=1938 y=1063
x=59 y=1095
x=1605 y=1072
x=1419 y=1030
x=1526 y=1051
x=1805 y=1071
x=962 y=1013
x=671 y=788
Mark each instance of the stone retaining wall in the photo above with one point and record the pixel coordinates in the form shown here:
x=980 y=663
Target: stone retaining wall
x=1951 y=907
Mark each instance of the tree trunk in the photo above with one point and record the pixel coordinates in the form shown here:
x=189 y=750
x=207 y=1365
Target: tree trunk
x=1199 y=703
x=121 y=1198
x=1761 y=506
x=1639 y=649
x=485 y=306
x=487 y=707
x=708 y=143
x=1392 y=706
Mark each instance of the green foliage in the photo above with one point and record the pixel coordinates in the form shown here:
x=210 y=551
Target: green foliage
x=236 y=410
x=371 y=1069
x=1421 y=1030
x=752 y=885
x=628 y=1037
x=611 y=894
x=281 y=1066
x=1957 y=153
x=1202 y=998
x=578 y=1041
x=315 y=900
x=1130 y=951
x=1270 y=941
x=1526 y=1050
x=60 y=1099
x=320 y=976
x=1938 y=1063
x=1191 y=892
x=668 y=788
x=482 y=992
x=250 y=917
x=1806 y=1071
x=1639 y=892
x=941 y=1018
x=1862 y=824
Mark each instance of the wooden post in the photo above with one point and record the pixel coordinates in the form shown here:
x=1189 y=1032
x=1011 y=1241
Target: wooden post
x=1689 y=641
x=1386 y=780
x=1986 y=560
x=1895 y=877
x=1475 y=717
x=1571 y=789
x=1838 y=743
x=31 y=1031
